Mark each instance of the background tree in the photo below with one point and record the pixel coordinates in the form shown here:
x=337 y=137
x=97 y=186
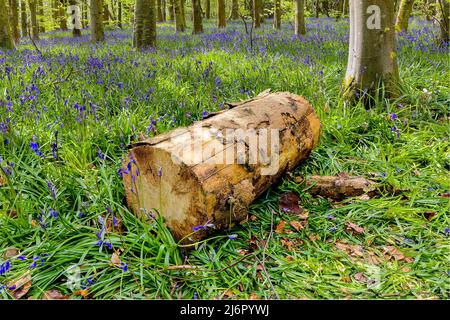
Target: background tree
x=372 y=58
x=299 y=26
x=75 y=15
x=41 y=15
x=96 y=10
x=221 y=20
x=404 y=12
x=208 y=9
x=14 y=20
x=6 y=37
x=256 y=14
x=277 y=14
x=23 y=18
x=444 y=22
x=159 y=10
x=180 y=26
x=234 y=10
x=61 y=14
x=32 y=4
x=171 y=9
x=144 y=24
x=197 y=17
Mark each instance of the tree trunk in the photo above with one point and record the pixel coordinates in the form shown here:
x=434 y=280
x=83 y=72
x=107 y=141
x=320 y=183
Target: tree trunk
x=62 y=14
x=159 y=10
x=75 y=15
x=96 y=9
x=197 y=17
x=209 y=173
x=171 y=10
x=445 y=22
x=34 y=23
x=144 y=24
x=105 y=13
x=23 y=18
x=221 y=20
x=163 y=9
x=14 y=8
x=208 y=9
x=6 y=36
x=403 y=15
x=299 y=27
x=179 y=25
x=119 y=15
x=277 y=14
x=235 y=10
x=41 y=16
x=372 y=51
x=256 y=14
x=325 y=7
x=183 y=13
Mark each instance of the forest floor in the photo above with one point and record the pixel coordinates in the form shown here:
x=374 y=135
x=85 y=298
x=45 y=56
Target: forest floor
x=68 y=113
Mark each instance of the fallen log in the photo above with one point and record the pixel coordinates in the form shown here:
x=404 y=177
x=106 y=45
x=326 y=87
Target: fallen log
x=204 y=177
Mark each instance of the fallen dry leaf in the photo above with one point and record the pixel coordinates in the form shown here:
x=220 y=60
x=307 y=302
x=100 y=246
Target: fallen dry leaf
x=346 y=279
x=115 y=260
x=429 y=215
x=10 y=252
x=280 y=227
x=289 y=203
x=253 y=296
x=393 y=253
x=54 y=295
x=228 y=294
x=351 y=249
x=287 y=243
x=21 y=286
x=353 y=228
x=83 y=293
x=296 y=225
x=314 y=237
x=360 y=277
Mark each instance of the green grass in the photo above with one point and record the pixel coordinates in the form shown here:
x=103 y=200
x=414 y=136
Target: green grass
x=257 y=263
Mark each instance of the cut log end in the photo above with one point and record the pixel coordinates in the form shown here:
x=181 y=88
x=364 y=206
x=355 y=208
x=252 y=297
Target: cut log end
x=203 y=178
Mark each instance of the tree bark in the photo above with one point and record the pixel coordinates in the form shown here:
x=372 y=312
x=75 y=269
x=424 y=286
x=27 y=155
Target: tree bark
x=299 y=26
x=372 y=56
x=179 y=25
x=171 y=10
x=76 y=31
x=34 y=22
x=14 y=8
x=6 y=36
x=96 y=10
x=208 y=9
x=209 y=173
x=23 y=18
x=277 y=14
x=403 y=15
x=119 y=15
x=159 y=10
x=197 y=17
x=445 y=22
x=256 y=14
x=62 y=14
x=163 y=9
x=235 y=10
x=221 y=20
x=41 y=16
x=144 y=24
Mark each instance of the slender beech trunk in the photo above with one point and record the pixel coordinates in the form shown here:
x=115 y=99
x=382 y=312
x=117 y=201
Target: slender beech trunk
x=159 y=11
x=372 y=58
x=183 y=12
x=277 y=14
x=96 y=9
x=235 y=10
x=221 y=20
x=23 y=18
x=6 y=36
x=256 y=14
x=299 y=27
x=119 y=14
x=144 y=24
x=14 y=8
x=62 y=14
x=171 y=9
x=105 y=13
x=34 y=23
x=76 y=31
x=197 y=17
x=445 y=22
x=163 y=9
x=208 y=9
x=179 y=25
x=41 y=16
x=404 y=12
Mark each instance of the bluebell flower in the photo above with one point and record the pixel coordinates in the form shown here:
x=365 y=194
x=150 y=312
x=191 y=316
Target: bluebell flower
x=101 y=156
x=232 y=236
x=447 y=230
x=123 y=266
x=52 y=189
